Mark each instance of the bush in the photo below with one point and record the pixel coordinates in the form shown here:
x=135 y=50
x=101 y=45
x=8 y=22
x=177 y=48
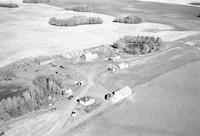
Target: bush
x=36 y=1
x=75 y=21
x=81 y=8
x=6 y=75
x=129 y=20
x=138 y=45
x=9 y=5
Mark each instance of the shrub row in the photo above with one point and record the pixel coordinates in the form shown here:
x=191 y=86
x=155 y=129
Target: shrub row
x=31 y=99
x=129 y=20
x=76 y=20
x=9 y=5
x=36 y=1
x=195 y=3
x=138 y=44
x=80 y=8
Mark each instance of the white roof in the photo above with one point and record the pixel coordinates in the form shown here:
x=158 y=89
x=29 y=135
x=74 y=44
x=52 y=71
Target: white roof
x=122 y=65
x=125 y=90
x=68 y=90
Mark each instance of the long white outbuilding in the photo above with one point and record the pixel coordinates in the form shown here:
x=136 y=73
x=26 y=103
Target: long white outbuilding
x=121 y=94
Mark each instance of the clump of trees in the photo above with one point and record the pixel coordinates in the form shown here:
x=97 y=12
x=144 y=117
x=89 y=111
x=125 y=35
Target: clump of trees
x=138 y=44
x=32 y=99
x=36 y=1
x=7 y=75
x=9 y=5
x=129 y=20
x=80 y=8
x=75 y=21
x=195 y=3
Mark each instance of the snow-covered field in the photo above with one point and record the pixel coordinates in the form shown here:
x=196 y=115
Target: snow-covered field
x=11 y=1
x=180 y=2
x=25 y=32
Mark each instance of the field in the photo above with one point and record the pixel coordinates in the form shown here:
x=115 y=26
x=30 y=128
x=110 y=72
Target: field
x=165 y=82
x=156 y=109
x=28 y=34
x=180 y=16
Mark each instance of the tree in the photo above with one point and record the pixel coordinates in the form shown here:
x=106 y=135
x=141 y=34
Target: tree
x=5 y=116
x=15 y=107
x=2 y=111
x=22 y=105
x=159 y=41
x=27 y=98
x=145 y=49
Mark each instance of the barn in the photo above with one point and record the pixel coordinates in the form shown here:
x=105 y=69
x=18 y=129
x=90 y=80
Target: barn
x=121 y=94
x=86 y=101
x=88 y=56
x=122 y=65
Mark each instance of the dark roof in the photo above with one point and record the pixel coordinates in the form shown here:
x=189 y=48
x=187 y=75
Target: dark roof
x=85 y=98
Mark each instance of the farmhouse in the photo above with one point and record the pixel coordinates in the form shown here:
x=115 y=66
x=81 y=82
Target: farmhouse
x=121 y=94
x=67 y=93
x=86 y=101
x=88 y=56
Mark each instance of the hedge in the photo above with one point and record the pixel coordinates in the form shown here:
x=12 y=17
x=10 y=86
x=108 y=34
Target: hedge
x=36 y=1
x=75 y=21
x=9 y=5
x=80 y=8
x=129 y=20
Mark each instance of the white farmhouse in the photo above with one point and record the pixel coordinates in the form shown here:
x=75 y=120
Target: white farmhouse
x=121 y=94
x=68 y=93
x=122 y=65
x=88 y=56
x=86 y=101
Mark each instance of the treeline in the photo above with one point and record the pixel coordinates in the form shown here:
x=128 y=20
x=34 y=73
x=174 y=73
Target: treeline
x=75 y=21
x=9 y=5
x=35 y=1
x=32 y=99
x=80 y=8
x=138 y=44
x=195 y=3
x=129 y=20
